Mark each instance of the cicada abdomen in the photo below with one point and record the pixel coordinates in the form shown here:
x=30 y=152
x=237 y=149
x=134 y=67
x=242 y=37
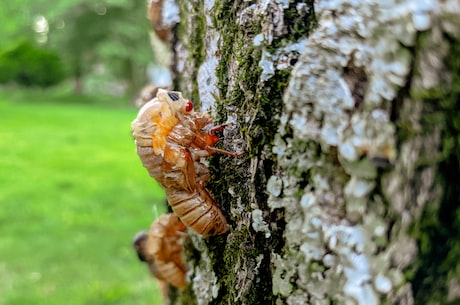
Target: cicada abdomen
x=199 y=211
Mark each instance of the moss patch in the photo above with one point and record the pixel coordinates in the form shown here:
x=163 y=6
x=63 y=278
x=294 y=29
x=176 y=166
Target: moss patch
x=257 y=106
x=438 y=234
x=191 y=32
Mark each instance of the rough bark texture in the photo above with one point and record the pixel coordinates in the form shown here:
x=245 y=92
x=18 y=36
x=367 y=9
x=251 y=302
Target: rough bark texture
x=349 y=115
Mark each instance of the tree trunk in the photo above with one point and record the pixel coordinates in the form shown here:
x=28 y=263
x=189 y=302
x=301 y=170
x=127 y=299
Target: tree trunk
x=348 y=113
x=78 y=80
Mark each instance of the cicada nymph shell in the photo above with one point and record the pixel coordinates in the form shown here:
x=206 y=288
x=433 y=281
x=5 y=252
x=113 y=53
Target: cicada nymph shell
x=159 y=19
x=161 y=248
x=170 y=142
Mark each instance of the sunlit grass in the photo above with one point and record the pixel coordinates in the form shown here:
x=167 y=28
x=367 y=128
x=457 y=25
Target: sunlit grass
x=72 y=195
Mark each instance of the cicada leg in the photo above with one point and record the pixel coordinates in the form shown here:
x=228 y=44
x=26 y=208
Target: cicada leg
x=217 y=128
x=224 y=152
x=212 y=139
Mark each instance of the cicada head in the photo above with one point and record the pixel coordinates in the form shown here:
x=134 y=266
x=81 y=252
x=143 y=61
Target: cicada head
x=139 y=242
x=175 y=101
x=153 y=123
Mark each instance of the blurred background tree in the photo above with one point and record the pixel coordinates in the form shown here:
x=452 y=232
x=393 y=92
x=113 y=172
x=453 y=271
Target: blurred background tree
x=27 y=65
x=103 y=42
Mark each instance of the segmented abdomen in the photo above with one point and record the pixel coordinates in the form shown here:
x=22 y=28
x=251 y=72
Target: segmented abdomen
x=150 y=161
x=165 y=248
x=198 y=211
x=171 y=273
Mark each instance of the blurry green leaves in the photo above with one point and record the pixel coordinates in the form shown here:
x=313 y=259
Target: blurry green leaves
x=85 y=34
x=30 y=66
x=107 y=34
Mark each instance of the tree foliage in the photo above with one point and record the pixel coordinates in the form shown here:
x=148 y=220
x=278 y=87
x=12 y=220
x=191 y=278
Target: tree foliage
x=28 y=65
x=86 y=34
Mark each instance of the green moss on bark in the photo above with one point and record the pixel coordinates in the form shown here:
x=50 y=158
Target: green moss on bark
x=257 y=106
x=191 y=32
x=438 y=230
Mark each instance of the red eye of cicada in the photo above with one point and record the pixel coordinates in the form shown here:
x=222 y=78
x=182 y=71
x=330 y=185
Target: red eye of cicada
x=189 y=106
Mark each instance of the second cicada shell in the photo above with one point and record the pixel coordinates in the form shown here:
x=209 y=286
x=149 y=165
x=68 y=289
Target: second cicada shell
x=170 y=142
x=161 y=248
x=155 y=14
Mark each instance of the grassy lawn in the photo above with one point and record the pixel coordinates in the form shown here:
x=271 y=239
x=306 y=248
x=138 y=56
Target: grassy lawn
x=72 y=195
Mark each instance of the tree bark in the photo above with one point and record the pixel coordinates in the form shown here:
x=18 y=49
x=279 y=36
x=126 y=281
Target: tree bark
x=348 y=113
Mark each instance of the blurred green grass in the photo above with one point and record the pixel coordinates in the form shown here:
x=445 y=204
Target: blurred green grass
x=72 y=195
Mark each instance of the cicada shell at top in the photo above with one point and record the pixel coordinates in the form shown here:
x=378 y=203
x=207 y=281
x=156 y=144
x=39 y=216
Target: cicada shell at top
x=170 y=142
x=156 y=15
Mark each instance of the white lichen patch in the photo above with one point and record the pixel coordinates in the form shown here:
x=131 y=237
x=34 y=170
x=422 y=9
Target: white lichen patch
x=204 y=286
x=267 y=65
x=170 y=13
x=259 y=224
x=208 y=7
x=339 y=100
x=382 y=284
x=207 y=79
x=281 y=59
x=274 y=185
x=184 y=67
x=203 y=279
x=282 y=272
x=272 y=14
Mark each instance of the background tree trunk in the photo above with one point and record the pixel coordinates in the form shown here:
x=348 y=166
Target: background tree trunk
x=348 y=112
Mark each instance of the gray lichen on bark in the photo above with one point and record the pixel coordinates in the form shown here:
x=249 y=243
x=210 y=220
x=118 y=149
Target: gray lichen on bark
x=321 y=211
x=355 y=192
